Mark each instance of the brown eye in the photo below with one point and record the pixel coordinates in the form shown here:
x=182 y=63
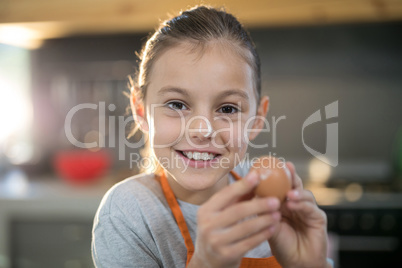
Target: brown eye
x=229 y=109
x=175 y=105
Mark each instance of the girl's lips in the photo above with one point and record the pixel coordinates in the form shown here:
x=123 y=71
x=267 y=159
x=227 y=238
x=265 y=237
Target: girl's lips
x=185 y=153
x=200 y=151
x=198 y=163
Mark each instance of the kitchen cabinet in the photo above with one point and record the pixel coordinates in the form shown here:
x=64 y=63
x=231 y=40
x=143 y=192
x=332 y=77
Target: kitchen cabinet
x=49 y=225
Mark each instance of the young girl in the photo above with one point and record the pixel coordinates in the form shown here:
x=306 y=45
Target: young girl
x=197 y=99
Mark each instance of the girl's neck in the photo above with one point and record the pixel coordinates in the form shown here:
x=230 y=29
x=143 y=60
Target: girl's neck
x=196 y=197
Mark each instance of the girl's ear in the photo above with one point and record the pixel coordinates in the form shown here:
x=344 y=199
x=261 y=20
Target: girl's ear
x=138 y=110
x=259 y=118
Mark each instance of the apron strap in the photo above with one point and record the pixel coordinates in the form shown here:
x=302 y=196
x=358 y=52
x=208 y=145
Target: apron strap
x=178 y=215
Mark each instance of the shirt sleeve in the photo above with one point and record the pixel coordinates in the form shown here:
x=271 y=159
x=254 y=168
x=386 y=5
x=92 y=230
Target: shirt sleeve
x=120 y=237
x=243 y=167
x=115 y=244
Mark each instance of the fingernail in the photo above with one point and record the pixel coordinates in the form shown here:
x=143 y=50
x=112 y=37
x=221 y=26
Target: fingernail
x=295 y=193
x=273 y=202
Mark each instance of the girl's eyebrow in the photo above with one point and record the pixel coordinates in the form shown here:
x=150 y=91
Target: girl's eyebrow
x=167 y=89
x=236 y=92
x=184 y=92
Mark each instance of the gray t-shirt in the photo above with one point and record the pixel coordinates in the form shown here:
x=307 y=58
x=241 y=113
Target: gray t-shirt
x=134 y=227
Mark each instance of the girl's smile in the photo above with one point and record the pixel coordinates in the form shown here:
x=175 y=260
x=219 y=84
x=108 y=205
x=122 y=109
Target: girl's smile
x=198 y=104
x=197 y=159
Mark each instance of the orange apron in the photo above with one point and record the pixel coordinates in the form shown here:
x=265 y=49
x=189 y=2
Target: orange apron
x=269 y=262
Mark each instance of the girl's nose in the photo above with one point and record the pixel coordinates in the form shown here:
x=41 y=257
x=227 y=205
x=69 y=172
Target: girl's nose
x=200 y=127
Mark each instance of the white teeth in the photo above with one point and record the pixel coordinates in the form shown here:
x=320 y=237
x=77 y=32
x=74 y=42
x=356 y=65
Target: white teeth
x=199 y=156
x=196 y=156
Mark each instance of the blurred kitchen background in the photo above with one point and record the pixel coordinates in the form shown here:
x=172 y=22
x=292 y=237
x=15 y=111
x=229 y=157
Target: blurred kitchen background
x=67 y=63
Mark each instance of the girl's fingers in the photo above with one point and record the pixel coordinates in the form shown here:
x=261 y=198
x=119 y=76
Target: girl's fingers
x=301 y=195
x=248 y=227
x=303 y=203
x=299 y=200
x=296 y=181
x=233 y=192
x=242 y=210
x=302 y=206
x=307 y=210
x=243 y=246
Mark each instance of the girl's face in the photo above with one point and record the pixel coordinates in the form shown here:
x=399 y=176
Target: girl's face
x=201 y=103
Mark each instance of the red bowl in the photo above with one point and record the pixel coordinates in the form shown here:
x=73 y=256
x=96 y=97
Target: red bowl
x=81 y=166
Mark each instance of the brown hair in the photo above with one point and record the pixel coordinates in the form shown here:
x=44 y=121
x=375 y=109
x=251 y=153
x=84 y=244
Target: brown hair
x=198 y=26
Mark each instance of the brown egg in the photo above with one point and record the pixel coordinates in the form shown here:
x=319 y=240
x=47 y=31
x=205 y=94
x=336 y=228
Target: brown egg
x=275 y=178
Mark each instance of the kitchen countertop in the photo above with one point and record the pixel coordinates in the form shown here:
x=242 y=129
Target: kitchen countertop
x=46 y=199
x=344 y=198
x=53 y=189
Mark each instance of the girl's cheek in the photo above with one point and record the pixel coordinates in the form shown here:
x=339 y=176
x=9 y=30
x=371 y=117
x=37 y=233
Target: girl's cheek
x=242 y=137
x=232 y=134
x=167 y=129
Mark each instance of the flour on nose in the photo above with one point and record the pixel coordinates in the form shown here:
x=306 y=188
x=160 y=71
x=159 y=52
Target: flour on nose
x=209 y=129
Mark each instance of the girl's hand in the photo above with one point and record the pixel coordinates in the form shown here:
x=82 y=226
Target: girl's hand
x=229 y=226
x=301 y=239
